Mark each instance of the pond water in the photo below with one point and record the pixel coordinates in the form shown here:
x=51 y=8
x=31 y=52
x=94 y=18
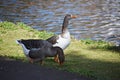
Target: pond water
x=96 y=18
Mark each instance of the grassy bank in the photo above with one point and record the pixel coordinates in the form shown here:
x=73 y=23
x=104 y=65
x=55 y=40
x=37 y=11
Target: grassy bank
x=95 y=59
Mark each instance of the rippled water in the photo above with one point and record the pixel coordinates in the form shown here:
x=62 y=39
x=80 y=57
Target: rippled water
x=96 y=18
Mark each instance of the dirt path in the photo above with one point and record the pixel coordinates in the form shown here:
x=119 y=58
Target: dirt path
x=17 y=70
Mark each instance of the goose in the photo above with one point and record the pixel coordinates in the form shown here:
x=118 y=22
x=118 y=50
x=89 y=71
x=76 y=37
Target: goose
x=37 y=50
x=62 y=40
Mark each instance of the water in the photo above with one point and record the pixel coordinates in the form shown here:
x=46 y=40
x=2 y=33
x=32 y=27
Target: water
x=96 y=18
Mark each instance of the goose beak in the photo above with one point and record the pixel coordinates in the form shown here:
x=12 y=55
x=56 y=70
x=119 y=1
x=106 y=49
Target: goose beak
x=73 y=16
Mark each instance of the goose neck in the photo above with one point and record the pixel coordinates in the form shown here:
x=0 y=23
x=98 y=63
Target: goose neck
x=65 y=24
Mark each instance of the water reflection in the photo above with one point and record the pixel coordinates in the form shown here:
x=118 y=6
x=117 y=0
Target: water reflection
x=96 y=18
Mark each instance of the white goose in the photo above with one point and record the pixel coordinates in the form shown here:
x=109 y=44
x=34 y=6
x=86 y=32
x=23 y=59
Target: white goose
x=62 y=40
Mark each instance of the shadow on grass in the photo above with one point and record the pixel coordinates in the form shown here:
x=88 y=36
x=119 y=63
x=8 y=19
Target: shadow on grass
x=92 y=68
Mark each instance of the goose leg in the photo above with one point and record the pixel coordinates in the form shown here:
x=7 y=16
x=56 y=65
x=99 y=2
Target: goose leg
x=31 y=60
x=56 y=58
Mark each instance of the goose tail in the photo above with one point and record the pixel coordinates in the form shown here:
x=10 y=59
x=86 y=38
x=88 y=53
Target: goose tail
x=25 y=50
x=18 y=41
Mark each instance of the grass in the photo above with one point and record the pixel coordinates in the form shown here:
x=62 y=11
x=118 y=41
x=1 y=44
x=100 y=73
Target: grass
x=94 y=59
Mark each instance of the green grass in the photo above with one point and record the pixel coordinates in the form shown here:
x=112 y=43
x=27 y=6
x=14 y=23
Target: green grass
x=94 y=59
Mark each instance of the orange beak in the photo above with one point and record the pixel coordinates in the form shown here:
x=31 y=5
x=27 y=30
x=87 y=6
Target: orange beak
x=73 y=16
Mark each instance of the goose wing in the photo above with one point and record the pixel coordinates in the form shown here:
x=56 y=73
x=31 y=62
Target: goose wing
x=35 y=43
x=53 y=39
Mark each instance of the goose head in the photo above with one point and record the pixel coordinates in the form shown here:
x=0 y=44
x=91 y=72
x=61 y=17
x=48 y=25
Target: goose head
x=66 y=21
